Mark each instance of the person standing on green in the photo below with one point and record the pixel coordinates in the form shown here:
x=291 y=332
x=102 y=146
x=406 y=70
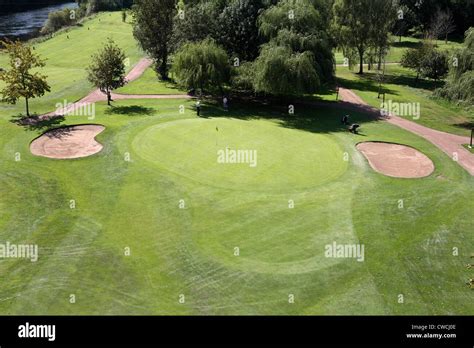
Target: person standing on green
x=198 y=107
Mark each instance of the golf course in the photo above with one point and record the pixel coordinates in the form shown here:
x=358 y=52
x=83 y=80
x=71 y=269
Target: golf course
x=151 y=222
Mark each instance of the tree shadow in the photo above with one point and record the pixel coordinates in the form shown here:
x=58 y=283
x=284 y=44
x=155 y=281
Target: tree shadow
x=59 y=133
x=311 y=116
x=365 y=83
x=406 y=44
x=36 y=122
x=467 y=125
x=130 y=110
x=411 y=81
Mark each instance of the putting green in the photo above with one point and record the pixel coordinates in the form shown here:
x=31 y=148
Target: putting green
x=271 y=158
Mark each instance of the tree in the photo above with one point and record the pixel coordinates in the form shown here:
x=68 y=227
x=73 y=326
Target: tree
x=59 y=19
x=20 y=82
x=195 y=22
x=201 y=65
x=384 y=14
x=426 y=61
x=435 y=65
x=280 y=71
x=238 y=28
x=351 y=25
x=107 y=69
x=405 y=20
x=297 y=33
x=413 y=59
x=459 y=86
x=153 y=27
x=442 y=25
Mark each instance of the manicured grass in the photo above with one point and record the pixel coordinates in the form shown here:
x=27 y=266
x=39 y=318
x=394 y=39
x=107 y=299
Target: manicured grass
x=67 y=59
x=397 y=48
x=401 y=87
x=190 y=251
x=149 y=83
x=156 y=188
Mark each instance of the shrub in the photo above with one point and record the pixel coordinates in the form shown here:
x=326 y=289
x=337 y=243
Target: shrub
x=59 y=19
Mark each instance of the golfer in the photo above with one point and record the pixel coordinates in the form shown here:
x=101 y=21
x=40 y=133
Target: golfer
x=198 y=107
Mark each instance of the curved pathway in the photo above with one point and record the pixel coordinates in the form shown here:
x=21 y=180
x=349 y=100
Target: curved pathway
x=97 y=95
x=450 y=144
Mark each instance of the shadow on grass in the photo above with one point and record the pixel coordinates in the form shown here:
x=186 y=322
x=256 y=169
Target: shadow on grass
x=36 y=123
x=314 y=117
x=365 y=83
x=368 y=82
x=130 y=110
x=411 y=81
x=406 y=44
x=467 y=125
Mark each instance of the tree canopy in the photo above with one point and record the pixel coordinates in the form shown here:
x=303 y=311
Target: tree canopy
x=201 y=65
x=20 y=81
x=460 y=83
x=107 y=69
x=153 y=27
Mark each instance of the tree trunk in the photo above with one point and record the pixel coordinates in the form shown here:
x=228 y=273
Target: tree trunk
x=163 y=68
x=361 y=62
x=108 y=98
x=379 y=63
x=400 y=38
x=446 y=39
x=27 y=107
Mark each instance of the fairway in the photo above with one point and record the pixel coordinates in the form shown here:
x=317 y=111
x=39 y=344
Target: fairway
x=158 y=211
x=183 y=215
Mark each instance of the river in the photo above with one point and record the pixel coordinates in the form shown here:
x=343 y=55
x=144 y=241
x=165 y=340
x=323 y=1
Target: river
x=28 y=23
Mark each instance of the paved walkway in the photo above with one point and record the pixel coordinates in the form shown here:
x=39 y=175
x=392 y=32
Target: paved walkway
x=450 y=144
x=97 y=96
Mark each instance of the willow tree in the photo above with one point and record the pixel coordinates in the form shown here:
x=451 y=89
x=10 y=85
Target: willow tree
x=201 y=65
x=280 y=71
x=298 y=58
x=460 y=82
x=20 y=82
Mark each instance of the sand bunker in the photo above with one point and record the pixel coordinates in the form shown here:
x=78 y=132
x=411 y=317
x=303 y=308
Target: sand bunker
x=395 y=160
x=68 y=142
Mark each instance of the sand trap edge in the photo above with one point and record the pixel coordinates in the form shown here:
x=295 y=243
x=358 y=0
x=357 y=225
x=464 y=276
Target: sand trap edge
x=376 y=169
x=101 y=146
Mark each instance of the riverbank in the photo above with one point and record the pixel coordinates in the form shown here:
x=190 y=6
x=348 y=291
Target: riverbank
x=16 y=6
x=27 y=24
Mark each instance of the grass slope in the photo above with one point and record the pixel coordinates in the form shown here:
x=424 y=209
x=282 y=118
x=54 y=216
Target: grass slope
x=135 y=204
x=190 y=251
x=149 y=83
x=401 y=87
x=67 y=59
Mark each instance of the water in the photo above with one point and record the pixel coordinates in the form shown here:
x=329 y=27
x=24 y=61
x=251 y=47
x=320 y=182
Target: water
x=28 y=23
